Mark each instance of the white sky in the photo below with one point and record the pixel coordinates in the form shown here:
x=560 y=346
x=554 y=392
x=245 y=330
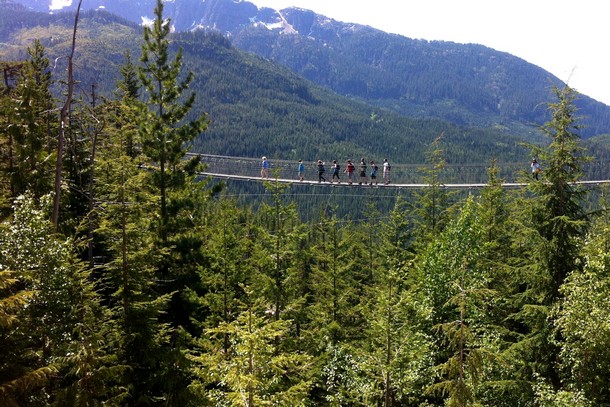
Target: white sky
x=566 y=38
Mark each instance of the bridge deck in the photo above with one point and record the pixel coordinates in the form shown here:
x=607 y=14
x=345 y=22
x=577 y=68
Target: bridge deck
x=379 y=185
x=515 y=175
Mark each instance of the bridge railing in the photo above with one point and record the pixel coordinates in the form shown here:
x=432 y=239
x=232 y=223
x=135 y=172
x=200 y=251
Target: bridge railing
x=400 y=173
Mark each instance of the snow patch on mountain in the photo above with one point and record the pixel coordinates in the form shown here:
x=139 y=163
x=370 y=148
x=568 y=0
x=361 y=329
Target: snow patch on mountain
x=286 y=27
x=59 y=4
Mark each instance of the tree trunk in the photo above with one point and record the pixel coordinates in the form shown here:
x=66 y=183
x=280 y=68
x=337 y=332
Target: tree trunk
x=63 y=116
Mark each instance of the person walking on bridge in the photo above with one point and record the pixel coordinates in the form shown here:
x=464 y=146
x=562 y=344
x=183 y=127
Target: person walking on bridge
x=362 y=172
x=321 y=171
x=349 y=170
x=386 y=171
x=301 y=170
x=535 y=168
x=336 y=167
x=374 y=169
x=265 y=168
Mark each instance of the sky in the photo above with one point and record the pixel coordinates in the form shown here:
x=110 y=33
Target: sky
x=565 y=38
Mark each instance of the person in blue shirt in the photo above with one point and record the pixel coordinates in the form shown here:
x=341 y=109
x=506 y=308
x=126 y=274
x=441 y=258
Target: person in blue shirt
x=301 y=170
x=265 y=168
x=374 y=169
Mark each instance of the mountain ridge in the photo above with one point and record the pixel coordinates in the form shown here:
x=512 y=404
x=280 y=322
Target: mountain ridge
x=257 y=106
x=467 y=84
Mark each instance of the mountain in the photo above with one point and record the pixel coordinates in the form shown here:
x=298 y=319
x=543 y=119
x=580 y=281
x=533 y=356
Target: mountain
x=257 y=106
x=466 y=84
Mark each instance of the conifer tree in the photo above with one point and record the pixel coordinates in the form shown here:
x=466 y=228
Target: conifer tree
x=129 y=256
x=166 y=134
x=63 y=325
x=165 y=137
x=507 y=248
x=433 y=201
x=279 y=235
x=334 y=298
x=396 y=346
x=253 y=372
x=560 y=217
x=455 y=280
x=30 y=128
x=10 y=75
x=559 y=226
x=18 y=371
x=582 y=319
x=230 y=262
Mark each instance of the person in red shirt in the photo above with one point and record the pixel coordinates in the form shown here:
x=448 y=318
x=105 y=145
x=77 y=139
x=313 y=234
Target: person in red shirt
x=349 y=170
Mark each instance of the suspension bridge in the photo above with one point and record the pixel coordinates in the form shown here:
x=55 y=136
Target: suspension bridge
x=402 y=176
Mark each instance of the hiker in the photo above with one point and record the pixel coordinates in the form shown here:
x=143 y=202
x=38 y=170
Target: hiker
x=301 y=170
x=265 y=168
x=386 y=171
x=336 y=167
x=321 y=171
x=349 y=170
x=374 y=169
x=535 y=168
x=362 y=172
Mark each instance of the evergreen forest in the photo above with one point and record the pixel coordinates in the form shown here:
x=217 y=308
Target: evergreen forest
x=128 y=280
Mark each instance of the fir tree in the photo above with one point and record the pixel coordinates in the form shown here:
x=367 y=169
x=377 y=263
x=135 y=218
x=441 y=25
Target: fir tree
x=433 y=201
x=455 y=281
x=253 y=372
x=31 y=127
x=582 y=319
x=396 y=345
x=165 y=138
x=553 y=227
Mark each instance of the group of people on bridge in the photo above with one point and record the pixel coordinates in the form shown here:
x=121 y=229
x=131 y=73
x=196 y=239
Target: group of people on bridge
x=350 y=171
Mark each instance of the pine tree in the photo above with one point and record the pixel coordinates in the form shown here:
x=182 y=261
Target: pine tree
x=31 y=126
x=455 y=281
x=165 y=139
x=431 y=206
x=253 y=372
x=396 y=345
x=553 y=225
x=582 y=319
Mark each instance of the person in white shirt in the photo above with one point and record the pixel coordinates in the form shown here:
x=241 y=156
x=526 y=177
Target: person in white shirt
x=386 y=171
x=535 y=168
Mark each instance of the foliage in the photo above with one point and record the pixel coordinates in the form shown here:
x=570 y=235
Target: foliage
x=158 y=290
x=582 y=319
x=251 y=371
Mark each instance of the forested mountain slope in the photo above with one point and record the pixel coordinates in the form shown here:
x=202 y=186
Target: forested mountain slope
x=466 y=84
x=256 y=106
